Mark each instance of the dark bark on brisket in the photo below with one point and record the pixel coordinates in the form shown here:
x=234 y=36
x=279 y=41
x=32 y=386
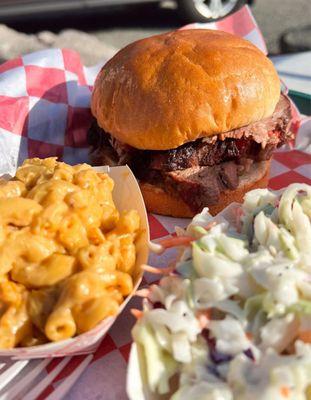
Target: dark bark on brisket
x=199 y=186
x=102 y=153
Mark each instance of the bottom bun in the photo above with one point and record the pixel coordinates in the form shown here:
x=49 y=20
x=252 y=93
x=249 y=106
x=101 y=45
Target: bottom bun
x=160 y=202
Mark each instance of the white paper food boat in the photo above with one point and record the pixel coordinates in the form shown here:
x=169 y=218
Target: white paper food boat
x=126 y=195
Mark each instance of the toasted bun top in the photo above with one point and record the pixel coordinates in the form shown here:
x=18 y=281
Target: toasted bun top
x=161 y=92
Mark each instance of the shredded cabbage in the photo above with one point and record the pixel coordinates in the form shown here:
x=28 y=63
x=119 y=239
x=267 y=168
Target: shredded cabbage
x=240 y=301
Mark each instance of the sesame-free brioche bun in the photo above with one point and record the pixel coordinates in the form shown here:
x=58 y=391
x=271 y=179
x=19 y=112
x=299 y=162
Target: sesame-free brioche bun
x=161 y=92
x=160 y=202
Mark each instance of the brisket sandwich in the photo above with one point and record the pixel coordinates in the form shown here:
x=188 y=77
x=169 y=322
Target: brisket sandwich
x=196 y=114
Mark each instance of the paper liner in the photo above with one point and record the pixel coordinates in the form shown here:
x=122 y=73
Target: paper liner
x=126 y=195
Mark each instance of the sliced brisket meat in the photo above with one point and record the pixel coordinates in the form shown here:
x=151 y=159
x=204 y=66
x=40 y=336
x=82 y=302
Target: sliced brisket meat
x=271 y=129
x=228 y=175
x=200 y=153
x=198 y=186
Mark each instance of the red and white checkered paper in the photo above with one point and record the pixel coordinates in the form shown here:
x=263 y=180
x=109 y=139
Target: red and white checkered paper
x=44 y=112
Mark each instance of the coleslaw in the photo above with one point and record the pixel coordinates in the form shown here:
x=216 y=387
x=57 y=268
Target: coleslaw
x=233 y=319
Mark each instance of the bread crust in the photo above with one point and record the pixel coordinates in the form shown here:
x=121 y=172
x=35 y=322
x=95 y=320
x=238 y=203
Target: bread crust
x=160 y=202
x=161 y=92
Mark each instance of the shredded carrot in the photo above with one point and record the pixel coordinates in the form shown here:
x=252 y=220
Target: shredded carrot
x=275 y=133
x=142 y=292
x=175 y=241
x=210 y=225
x=137 y=313
x=155 y=270
x=238 y=218
x=204 y=317
x=285 y=391
x=249 y=335
x=305 y=336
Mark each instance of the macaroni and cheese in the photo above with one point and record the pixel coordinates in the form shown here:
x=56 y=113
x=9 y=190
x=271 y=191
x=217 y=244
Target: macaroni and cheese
x=67 y=256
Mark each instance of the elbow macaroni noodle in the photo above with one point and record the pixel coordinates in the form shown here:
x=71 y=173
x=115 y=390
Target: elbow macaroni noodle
x=66 y=255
